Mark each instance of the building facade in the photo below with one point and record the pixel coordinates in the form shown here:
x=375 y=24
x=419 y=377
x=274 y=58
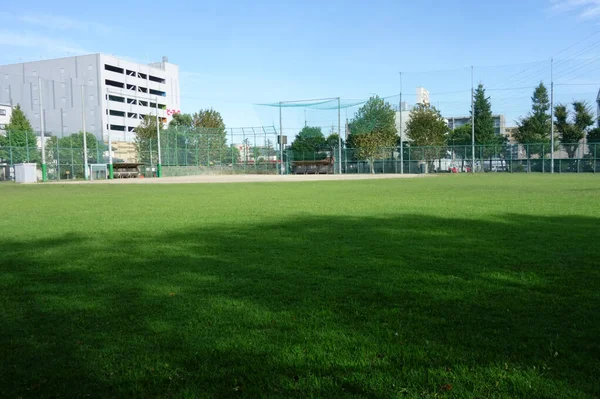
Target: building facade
x=456 y=122
x=5 y=113
x=105 y=94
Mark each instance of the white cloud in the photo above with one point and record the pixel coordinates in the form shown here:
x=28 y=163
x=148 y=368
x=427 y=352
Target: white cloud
x=585 y=9
x=30 y=39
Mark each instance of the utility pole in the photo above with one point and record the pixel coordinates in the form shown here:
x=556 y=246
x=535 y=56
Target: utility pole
x=339 y=136
x=472 y=122
x=281 y=140
x=42 y=138
x=85 y=157
x=552 y=115
x=159 y=165
x=111 y=173
x=401 y=136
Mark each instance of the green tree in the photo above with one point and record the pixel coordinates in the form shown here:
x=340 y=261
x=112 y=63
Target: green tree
x=460 y=140
x=332 y=142
x=181 y=120
x=534 y=129
x=20 y=143
x=571 y=132
x=484 y=120
x=210 y=141
x=309 y=141
x=146 y=144
x=232 y=155
x=373 y=131
x=460 y=136
x=593 y=138
x=428 y=129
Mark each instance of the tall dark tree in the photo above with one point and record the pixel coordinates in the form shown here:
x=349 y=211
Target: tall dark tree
x=20 y=143
x=572 y=130
x=534 y=129
x=484 y=120
x=373 y=131
x=308 y=142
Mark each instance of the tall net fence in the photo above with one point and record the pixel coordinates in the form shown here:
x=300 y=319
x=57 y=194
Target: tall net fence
x=513 y=158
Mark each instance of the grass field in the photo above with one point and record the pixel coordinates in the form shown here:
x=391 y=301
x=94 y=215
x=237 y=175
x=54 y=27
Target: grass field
x=455 y=286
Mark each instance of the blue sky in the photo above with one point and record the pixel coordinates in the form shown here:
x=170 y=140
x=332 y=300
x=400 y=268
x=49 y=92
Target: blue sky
x=233 y=54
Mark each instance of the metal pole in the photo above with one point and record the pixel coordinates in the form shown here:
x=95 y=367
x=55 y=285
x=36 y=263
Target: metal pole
x=472 y=123
x=85 y=157
x=42 y=139
x=159 y=165
x=281 y=139
x=552 y=115
x=401 y=135
x=110 y=160
x=339 y=137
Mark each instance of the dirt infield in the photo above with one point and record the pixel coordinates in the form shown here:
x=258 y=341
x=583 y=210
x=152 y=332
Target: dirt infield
x=241 y=179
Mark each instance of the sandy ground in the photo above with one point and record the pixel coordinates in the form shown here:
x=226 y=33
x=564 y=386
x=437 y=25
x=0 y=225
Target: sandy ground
x=242 y=179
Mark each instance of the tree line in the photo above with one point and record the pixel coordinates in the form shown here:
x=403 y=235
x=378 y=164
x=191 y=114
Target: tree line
x=373 y=130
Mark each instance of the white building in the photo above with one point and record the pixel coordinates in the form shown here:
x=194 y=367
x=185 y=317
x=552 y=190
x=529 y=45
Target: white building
x=5 y=113
x=113 y=94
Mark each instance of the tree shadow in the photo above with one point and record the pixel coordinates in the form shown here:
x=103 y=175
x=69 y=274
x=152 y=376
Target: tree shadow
x=308 y=306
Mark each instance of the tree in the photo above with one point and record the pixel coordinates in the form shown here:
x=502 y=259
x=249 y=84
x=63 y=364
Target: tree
x=593 y=139
x=460 y=136
x=181 y=120
x=427 y=128
x=373 y=130
x=20 y=143
x=145 y=141
x=484 y=120
x=67 y=153
x=534 y=129
x=308 y=142
x=211 y=137
x=332 y=142
x=571 y=132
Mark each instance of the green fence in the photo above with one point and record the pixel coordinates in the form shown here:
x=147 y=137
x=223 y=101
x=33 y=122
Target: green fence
x=194 y=157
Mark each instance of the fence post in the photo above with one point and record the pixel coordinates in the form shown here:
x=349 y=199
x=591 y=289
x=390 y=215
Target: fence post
x=543 y=160
x=57 y=161
x=27 y=146
x=595 y=156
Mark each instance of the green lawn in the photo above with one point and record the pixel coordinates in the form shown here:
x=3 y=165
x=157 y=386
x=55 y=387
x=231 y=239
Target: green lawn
x=482 y=286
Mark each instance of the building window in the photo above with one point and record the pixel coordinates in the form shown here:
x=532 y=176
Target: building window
x=2 y=112
x=62 y=70
x=117 y=113
x=116 y=99
x=112 y=83
x=156 y=79
x=158 y=93
x=113 y=68
x=89 y=67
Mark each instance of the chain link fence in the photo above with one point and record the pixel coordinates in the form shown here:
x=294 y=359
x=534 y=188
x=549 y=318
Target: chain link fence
x=184 y=156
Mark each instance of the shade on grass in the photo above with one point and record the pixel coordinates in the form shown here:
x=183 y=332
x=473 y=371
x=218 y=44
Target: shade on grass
x=456 y=286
